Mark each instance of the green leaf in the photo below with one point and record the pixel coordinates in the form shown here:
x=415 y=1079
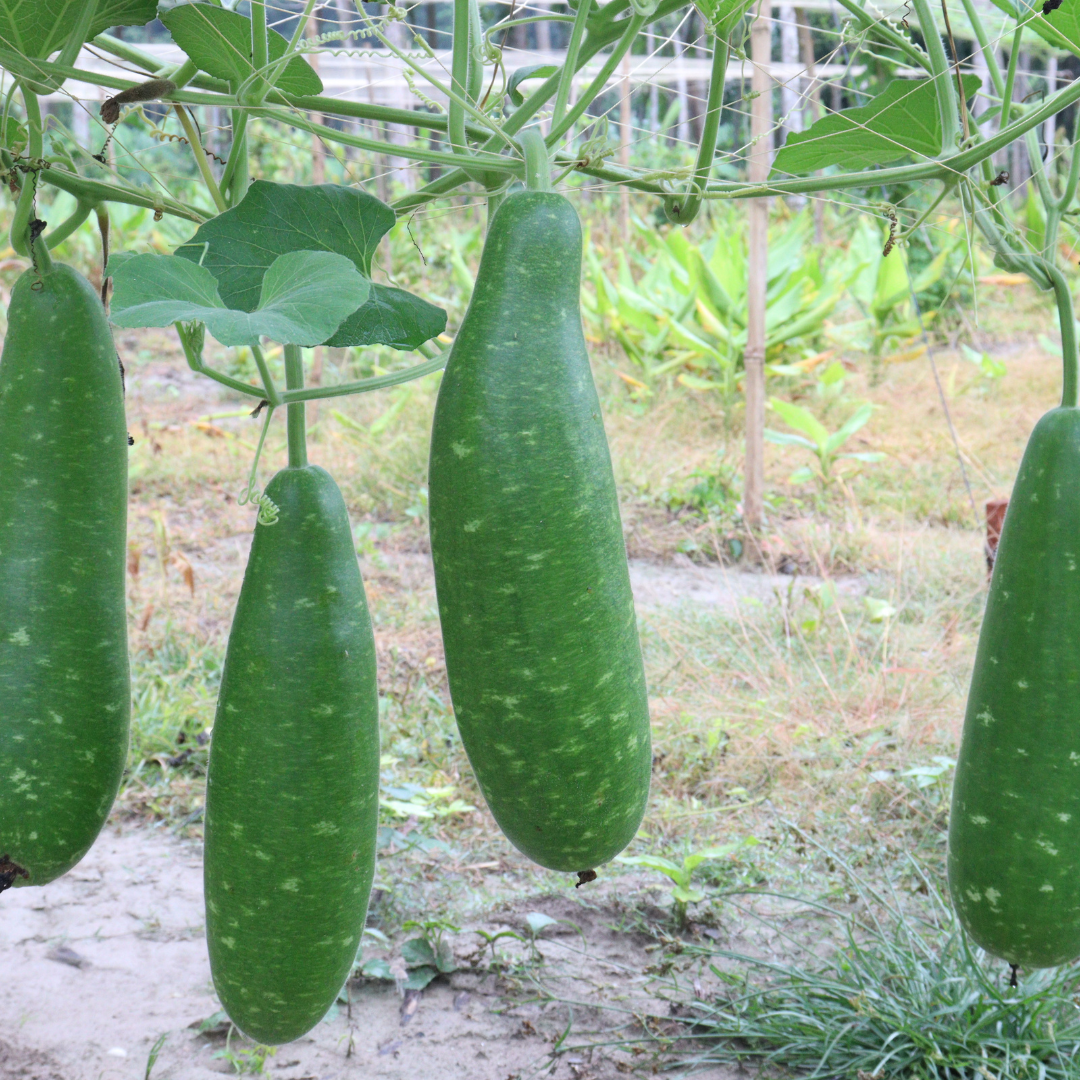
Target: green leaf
x=38 y=28
x=802 y=420
x=653 y=862
x=854 y=422
x=878 y=610
x=219 y=41
x=533 y=71
x=1060 y=27
x=444 y=958
x=376 y=969
x=903 y=119
x=683 y=894
x=420 y=977
x=417 y=952
x=691 y=862
x=537 y=921
x=391 y=317
x=272 y=219
x=785 y=438
x=304 y=296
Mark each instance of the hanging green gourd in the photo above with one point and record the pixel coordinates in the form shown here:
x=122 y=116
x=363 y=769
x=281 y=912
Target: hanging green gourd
x=538 y=620
x=1014 y=832
x=65 y=695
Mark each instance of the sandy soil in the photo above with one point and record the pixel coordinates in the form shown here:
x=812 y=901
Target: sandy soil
x=101 y=963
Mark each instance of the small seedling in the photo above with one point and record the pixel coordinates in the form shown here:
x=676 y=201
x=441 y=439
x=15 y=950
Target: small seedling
x=683 y=893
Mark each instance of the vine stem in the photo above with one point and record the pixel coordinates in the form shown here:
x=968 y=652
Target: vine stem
x=260 y=48
x=200 y=158
x=566 y=76
x=939 y=70
x=24 y=208
x=296 y=425
x=633 y=28
x=459 y=76
x=682 y=210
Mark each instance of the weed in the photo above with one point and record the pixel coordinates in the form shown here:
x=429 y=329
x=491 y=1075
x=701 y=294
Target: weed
x=905 y=994
x=683 y=893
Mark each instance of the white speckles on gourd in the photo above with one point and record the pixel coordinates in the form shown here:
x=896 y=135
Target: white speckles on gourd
x=1021 y=684
x=1046 y=888
x=19 y=637
x=472 y=526
x=978 y=819
x=1064 y=817
x=290 y=885
x=1047 y=847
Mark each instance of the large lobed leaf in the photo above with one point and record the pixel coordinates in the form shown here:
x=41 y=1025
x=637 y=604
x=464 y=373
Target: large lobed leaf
x=272 y=219
x=1061 y=27
x=304 y=296
x=903 y=119
x=40 y=27
x=219 y=41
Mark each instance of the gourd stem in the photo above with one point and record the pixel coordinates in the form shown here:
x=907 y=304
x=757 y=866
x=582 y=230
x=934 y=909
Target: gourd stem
x=537 y=160
x=296 y=425
x=1067 y=320
x=69 y=224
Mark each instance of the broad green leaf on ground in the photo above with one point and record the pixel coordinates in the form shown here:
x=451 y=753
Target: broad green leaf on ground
x=304 y=297
x=271 y=219
x=722 y=15
x=40 y=27
x=903 y=119
x=219 y=41
x=391 y=317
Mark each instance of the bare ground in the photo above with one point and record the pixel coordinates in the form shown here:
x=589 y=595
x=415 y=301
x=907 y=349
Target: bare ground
x=103 y=962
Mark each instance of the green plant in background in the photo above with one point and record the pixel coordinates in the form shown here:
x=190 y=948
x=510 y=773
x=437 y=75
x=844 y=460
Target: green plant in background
x=429 y=954
x=825 y=445
x=680 y=874
x=989 y=367
x=882 y=287
x=679 y=309
x=903 y=996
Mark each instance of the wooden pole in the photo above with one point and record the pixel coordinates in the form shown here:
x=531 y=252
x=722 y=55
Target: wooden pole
x=757 y=266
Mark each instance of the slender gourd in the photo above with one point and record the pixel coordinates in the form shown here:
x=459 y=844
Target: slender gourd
x=538 y=620
x=65 y=695
x=292 y=786
x=1014 y=831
